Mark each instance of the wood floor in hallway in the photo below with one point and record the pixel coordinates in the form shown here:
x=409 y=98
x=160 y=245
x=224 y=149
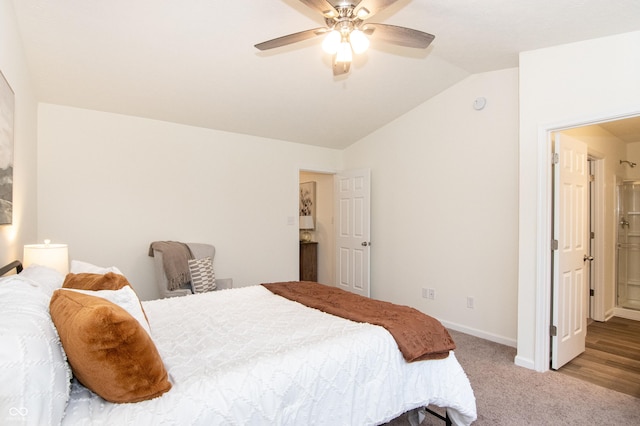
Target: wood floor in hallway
x=612 y=356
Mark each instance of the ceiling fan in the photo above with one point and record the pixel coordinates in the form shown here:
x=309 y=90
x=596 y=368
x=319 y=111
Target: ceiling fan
x=347 y=32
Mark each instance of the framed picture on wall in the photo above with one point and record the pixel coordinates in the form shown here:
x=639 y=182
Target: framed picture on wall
x=308 y=199
x=6 y=151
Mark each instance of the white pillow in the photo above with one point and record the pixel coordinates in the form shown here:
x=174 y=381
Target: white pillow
x=47 y=279
x=34 y=375
x=125 y=297
x=80 y=267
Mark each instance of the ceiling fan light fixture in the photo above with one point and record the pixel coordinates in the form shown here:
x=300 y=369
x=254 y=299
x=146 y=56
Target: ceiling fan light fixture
x=346 y=31
x=331 y=42
x=362 y=13
x=330 y=13
x=359 y=41
x=344 y=53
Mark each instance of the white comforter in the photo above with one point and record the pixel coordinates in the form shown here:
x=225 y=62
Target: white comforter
x=248 y=357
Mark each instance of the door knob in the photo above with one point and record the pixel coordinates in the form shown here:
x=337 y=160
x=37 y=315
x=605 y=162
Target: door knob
x=366 y=243
x=587 y=257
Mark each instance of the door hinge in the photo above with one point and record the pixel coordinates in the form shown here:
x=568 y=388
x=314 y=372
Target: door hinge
x=592 y=234
x=592 y=178
x=556 y=158
x=553 y=331
x=554 y=244
x=592 y=292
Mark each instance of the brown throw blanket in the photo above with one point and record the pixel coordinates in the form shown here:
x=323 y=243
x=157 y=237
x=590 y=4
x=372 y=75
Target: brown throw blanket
x=175 y=260
x=419 y=336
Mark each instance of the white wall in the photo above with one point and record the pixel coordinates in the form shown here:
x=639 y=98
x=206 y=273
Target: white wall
x=569 y=84
x=109 y=185
x=23 y=230
x=444 y=205
x=633 y=155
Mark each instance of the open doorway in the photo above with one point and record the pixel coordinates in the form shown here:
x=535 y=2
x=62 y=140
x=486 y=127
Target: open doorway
x=608 y=144
x=342 y=232
x=322 y=234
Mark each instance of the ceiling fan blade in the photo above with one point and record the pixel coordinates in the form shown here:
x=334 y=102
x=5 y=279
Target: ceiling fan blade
x=367 y=8
x=289 y=39
x=340 y=68
x=322 y=6
x=399 y=35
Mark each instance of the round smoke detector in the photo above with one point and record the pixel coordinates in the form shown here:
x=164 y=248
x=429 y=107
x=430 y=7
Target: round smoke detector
x=479 y=103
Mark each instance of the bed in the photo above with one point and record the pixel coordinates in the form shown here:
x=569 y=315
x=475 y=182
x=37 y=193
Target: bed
x=242 y=356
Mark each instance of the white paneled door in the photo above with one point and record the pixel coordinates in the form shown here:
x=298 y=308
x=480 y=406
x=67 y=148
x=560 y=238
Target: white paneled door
x=570 y=285
x=352 y=213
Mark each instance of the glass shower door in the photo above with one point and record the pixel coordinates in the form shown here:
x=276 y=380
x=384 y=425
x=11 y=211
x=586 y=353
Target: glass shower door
x=628 y=248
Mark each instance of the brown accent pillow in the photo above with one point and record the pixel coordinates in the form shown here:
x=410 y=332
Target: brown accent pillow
x=109 y=352
x=86 y=281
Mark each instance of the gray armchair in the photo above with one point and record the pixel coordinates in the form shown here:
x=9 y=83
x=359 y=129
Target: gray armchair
x=199 y=251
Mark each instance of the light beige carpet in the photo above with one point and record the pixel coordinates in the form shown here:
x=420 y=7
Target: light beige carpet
x=510 y=395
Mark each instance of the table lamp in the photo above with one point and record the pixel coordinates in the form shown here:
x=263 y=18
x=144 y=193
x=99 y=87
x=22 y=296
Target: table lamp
x=55 y=256
x=306 y=224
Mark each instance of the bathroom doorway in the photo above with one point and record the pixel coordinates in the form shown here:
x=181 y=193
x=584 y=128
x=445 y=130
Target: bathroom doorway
x=612 y=147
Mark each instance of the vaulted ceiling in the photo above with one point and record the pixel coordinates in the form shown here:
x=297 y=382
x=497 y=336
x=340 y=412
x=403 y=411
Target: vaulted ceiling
x=194 y=62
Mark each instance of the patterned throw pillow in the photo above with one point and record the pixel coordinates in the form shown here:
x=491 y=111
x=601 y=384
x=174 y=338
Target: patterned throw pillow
x=202 y=277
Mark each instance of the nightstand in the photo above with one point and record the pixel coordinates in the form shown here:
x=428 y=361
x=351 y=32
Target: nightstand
x=309 y=261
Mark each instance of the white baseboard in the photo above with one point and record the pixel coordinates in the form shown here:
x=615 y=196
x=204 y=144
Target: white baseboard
x=626 y=313
x=609 y=314
x=524 y=362
x=481 y=334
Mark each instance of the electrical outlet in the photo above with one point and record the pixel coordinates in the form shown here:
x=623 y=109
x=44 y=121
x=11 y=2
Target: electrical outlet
x=470 y=302
x=428 y=293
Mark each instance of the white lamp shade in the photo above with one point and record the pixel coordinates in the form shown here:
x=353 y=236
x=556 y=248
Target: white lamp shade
x=54 y=256
x=331 y=42
x=344 y=53
x=306 y=222
x=359 y=41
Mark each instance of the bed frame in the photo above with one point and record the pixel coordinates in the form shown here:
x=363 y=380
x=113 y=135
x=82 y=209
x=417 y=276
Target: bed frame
x=444 y=418
x=17 y=265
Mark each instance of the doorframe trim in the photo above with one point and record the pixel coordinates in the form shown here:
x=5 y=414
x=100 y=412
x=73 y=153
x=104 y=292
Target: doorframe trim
x=542 y=343
x=597 y=266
